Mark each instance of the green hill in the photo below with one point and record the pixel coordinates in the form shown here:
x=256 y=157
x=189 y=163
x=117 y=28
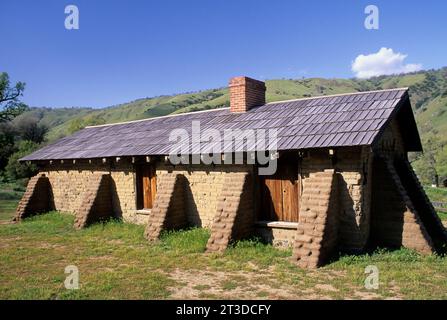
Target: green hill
x=428 y=91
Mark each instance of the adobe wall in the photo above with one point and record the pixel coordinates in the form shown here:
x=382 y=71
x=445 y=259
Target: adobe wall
x=317 y=234
x=391 y=142
x=202 y=187
x=70 y=180
x=394 y=221
x=353 y=165
x=204 y=184
x=277 y=236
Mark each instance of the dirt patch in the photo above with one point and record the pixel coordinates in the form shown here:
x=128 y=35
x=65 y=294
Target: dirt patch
x=366 y=295
x=10 y=242
x=46 y=245
x=6 y=222
x=232 y=285
x=115 y=242
x=325 y=287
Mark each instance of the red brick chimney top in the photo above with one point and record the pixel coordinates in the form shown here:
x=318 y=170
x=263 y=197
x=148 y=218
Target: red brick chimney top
x=246 y=93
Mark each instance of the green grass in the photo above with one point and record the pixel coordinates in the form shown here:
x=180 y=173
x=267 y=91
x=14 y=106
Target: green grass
x=10 y=194
x=442 y=216
x=7 y=209
x=116 y=262
x=438 y=195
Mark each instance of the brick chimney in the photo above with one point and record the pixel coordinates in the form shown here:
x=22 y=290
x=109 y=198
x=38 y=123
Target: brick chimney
x=246 y=93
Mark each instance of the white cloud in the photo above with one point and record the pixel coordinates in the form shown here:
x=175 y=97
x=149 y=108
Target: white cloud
x=385 y=61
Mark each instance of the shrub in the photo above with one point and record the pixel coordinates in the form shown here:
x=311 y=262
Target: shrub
x=19 y=170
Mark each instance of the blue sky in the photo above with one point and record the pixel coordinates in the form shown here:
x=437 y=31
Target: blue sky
x=126 y=50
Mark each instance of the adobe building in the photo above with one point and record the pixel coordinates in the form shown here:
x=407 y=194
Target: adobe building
x=343 y=180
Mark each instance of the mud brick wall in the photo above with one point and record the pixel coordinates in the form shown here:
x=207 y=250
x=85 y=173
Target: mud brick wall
x=70 y=181
x=354 y=168
x=36 y=199
x=395 y=223
x=124 y=192
x=168 y=211
x=422 y=205
x=234 y=215
x=96 y=203
x=317 y=233
x=277 y=236
x=391 y=142
x=203 y=187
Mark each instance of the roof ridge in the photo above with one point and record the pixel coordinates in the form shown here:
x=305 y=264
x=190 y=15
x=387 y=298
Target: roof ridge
x=338 y=95
x=160 y=117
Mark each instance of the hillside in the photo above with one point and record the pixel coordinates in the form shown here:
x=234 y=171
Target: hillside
x=428 y=91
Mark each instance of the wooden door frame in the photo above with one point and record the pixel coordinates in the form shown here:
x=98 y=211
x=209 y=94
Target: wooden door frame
x=259 y=189
x=142 y=202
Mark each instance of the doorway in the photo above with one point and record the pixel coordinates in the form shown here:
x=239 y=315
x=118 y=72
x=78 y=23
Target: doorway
x=146 y=186
x=280 y=192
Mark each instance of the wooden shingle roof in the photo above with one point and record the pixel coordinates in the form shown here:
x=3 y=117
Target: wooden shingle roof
x=329 y=121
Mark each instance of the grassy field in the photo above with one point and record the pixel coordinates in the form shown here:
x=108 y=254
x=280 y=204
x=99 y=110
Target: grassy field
x=115 y=261
x=7 y=209
x=438 y=195
x=10 y=194
x=114 y=256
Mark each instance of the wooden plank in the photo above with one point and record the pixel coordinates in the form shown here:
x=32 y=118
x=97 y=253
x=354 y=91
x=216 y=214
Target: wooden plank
x=280 y=192
x=139 y=187
x=147 y=198
x=272 y=198
x=153 y=178
x=146 y=186
x=290 y=198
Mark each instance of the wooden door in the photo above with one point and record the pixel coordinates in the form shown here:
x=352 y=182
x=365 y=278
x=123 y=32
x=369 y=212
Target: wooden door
x=271 y=204
x=290 y=193
x=280 y=192
x=147 y=186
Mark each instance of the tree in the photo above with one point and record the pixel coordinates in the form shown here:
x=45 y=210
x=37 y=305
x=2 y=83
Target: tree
x=29 y=129
x=10 y=106
x=425 y=166
x=19 y=170
x=441 y=162
x=431 y=165
x=7 y=139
